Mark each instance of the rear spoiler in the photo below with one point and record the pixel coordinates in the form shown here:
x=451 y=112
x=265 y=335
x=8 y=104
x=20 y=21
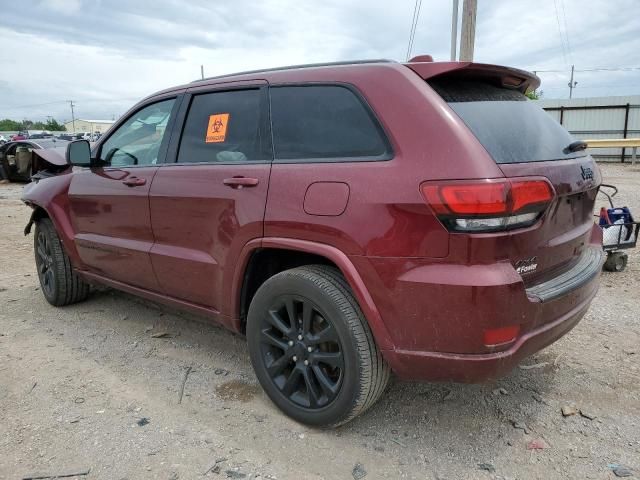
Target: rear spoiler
x=506 y=77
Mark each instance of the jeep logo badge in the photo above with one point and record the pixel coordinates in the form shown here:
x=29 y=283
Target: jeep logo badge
x=527 y=265
x=587 y=173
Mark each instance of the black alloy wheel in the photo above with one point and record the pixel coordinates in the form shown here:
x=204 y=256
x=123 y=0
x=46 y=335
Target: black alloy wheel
x=311 y=347
x=44 y=264
x=59 y=282
x=302 y=352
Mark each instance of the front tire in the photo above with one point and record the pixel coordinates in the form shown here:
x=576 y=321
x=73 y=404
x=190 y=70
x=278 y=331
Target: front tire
x=59 y=283
x=312 y=349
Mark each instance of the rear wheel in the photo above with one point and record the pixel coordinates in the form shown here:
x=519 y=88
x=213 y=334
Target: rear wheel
x=311 y=347
x=60 y=284
x=616 y=262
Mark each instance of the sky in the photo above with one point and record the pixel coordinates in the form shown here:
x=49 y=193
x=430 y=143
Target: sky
x=107 y=54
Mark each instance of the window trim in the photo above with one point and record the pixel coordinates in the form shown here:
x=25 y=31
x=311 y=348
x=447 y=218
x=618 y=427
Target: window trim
x=162 y=152
x=389 y=155
x=183 y=114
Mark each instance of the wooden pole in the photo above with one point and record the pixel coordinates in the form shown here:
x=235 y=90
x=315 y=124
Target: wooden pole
x=468 y=33
x=454 y=31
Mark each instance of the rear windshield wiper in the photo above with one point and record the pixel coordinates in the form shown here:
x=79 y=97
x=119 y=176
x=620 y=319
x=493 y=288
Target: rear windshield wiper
x=576 y=146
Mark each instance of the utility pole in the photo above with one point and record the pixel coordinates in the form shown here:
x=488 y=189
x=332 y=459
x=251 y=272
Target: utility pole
x=454 y=31
x=468 y=32
x=73 y=118
x=571 y=83
x=202 y=71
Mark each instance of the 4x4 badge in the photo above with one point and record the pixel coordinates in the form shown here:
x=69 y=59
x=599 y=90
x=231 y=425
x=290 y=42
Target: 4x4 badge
x=587 y=173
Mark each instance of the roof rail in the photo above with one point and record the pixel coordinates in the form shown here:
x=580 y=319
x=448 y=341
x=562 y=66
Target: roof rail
x=294 y=67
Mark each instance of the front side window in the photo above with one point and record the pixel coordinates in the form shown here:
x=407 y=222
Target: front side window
x=324 y=122
x=137 y=141
x=226 y=127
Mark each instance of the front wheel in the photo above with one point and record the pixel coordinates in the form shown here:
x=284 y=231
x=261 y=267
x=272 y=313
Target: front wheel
x=60 y=284
x=312 y=349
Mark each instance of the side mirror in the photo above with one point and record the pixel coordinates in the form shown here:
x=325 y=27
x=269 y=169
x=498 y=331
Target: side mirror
x=79 y=153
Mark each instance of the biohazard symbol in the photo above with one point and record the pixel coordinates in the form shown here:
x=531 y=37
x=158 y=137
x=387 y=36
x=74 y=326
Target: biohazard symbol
x=217 y=128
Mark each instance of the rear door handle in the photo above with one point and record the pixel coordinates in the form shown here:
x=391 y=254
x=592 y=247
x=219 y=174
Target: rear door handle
x=239 y=182
x=134 y=181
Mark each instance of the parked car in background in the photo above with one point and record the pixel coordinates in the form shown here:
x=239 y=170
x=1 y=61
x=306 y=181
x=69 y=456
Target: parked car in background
x=19 y=136
x=16 y=157
x=352 y=219
x=3 y=140
x=39 y=136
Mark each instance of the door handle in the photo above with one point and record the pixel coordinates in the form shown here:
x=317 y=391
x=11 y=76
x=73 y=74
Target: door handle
x=239 y=182
x=134 y=181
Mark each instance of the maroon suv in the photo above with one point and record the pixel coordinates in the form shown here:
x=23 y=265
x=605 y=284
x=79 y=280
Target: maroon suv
x=352 y=219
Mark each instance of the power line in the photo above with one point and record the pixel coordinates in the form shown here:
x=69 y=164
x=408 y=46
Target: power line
x=36 y=105
x=564 y=50
x=413 y=21
x=605 y=69
x=94 y=100
x=590 y=69
x=566 y=30
x=414 y=24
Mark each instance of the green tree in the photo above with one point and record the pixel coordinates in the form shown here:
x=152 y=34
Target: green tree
x=9 y=125
x=53 y=125
x=534 y=94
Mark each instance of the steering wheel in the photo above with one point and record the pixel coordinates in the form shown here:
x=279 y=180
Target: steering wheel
x=115 y=150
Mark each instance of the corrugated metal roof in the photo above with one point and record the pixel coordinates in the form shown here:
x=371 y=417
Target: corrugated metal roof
x=590 y=102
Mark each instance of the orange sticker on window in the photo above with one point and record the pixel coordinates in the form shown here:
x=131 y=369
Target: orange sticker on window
x=217 y=128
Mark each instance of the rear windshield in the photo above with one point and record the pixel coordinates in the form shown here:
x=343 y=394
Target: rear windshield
x=511 y=128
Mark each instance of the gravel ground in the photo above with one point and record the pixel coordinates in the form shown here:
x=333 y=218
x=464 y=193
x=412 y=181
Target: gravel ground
x=89 y=387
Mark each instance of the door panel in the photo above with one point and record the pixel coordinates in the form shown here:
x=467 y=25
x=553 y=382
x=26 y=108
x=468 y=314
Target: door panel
x=109 y=203
x=201 y=225
x=208 y=204
x=112 y=225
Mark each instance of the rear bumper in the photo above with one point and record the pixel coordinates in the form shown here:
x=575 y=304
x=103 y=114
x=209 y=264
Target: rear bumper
x=588 y=267
x=437 y=313
x=474 y=368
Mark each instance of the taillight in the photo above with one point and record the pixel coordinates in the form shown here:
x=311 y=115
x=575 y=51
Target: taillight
x=488 y=205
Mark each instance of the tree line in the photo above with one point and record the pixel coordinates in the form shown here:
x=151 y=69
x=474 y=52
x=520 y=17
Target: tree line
x=11 y=125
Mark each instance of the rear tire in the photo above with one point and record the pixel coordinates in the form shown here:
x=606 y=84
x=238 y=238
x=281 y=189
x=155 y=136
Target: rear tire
x=616 y=262
x=312 y=349
x=59 y=283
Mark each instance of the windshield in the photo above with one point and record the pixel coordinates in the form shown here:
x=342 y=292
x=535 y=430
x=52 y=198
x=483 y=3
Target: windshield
x=512 y=128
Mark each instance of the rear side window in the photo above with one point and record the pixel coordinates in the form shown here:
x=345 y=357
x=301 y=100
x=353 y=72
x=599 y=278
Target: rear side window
x=318 y=122
x=226 y=127
x=511 y=128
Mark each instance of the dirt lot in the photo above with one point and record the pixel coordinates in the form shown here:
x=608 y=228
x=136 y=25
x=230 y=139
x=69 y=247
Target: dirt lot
x=90 y=387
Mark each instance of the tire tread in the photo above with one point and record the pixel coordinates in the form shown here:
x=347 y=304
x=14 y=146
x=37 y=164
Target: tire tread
x=70 y=288
x=375 y=373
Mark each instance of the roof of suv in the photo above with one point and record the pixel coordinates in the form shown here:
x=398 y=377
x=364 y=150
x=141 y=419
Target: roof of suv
x=517 y=79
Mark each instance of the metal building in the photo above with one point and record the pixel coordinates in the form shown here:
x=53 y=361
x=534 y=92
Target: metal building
x=90 y=126
x=599 y=117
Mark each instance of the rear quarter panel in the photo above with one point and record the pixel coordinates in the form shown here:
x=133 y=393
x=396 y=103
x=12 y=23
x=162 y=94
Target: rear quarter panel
x=386 y=215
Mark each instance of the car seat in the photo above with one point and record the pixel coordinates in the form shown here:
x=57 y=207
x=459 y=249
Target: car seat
x=23 y=161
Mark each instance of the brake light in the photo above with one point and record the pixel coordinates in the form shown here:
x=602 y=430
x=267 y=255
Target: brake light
x=488 y=205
